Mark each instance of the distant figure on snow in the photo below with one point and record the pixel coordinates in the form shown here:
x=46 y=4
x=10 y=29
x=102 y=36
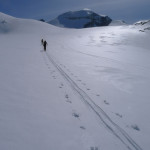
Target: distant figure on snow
x=45 y=44
x=42 y=41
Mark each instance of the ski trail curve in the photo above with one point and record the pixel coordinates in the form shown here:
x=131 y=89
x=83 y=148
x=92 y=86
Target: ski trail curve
x=111 y=126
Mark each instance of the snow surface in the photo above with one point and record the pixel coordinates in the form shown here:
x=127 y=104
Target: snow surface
x=88 y=91
x=117 y=23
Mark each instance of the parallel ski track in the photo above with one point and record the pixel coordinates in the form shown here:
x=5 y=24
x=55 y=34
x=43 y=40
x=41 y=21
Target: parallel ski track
x=117 y=131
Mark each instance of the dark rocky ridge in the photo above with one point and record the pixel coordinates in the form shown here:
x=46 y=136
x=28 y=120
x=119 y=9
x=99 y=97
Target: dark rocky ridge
x=81 y=19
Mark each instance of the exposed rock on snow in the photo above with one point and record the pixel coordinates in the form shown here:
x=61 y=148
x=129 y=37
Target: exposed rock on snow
x=144 y=25
x=143 y=22
x=81 y=19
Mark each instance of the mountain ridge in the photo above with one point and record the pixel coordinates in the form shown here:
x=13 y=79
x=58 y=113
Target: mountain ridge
x=81 y=19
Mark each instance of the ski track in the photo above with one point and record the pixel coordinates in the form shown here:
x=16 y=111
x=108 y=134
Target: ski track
x=111 y=126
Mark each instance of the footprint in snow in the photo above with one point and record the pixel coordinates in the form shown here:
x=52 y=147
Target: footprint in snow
x=84 y=83
x=67 y=97
x=106 y=102
x=117 y=114
x=68 y=101
x=135 y=127
x=61 y=85
x=82 y=127
x=52 y=71
x=54 y=77
x=76 y=115
x=79 y=80
x=94 y=148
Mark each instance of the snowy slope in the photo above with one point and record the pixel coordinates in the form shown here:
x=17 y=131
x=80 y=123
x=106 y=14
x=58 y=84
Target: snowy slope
x=80 y=19
x=143 y=22
x=89 y=90
x=144 y=25
x=117 y=23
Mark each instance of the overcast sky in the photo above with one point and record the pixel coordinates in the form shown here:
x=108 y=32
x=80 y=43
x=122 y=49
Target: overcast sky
x=127 y=10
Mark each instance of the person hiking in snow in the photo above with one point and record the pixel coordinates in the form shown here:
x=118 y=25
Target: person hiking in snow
x=45 y=44
x=42 y=41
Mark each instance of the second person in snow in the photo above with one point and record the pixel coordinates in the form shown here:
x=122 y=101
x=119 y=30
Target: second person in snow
x=44 y=45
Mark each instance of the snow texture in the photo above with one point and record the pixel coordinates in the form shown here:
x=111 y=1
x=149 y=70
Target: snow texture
x=88 y=91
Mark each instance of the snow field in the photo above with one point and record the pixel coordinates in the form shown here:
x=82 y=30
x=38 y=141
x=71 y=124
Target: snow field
x=90 y=89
